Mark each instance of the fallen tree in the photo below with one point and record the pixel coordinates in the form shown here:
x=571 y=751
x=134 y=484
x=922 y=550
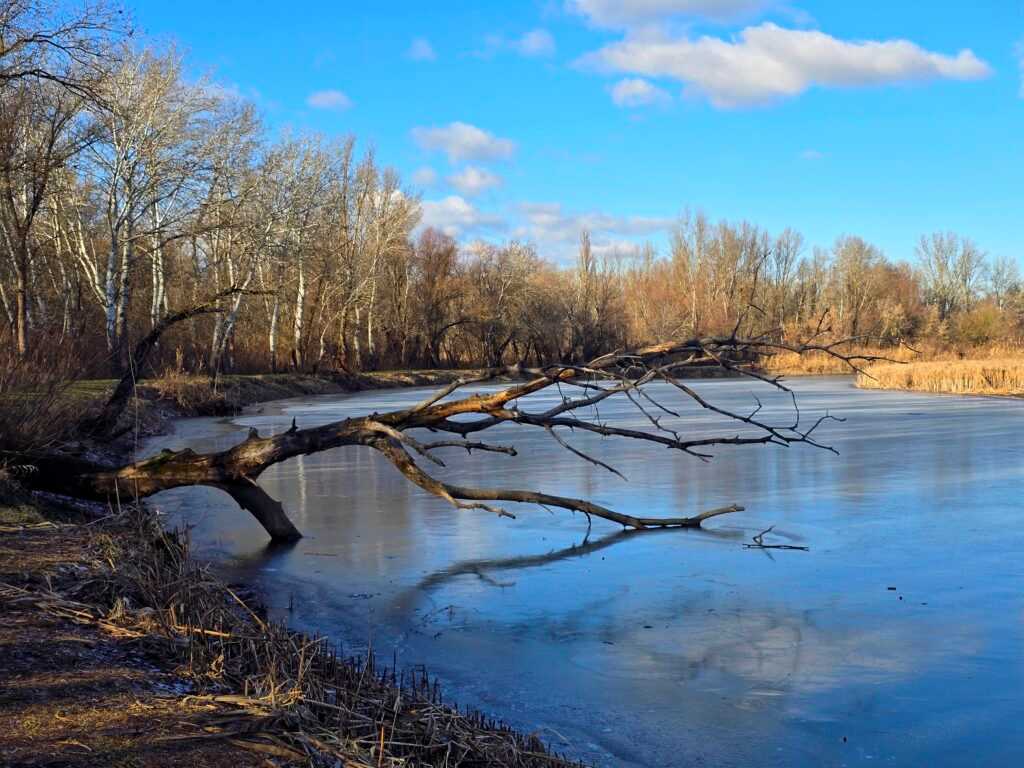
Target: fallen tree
x=582 y=388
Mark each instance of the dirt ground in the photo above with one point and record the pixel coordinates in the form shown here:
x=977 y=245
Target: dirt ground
x=75 y=695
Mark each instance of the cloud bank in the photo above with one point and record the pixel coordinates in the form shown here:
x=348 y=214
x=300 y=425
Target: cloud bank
x=329 y=99
x=472 y=180
x=767 y=63
x=462 y=142
x=455 y=216
x=621 y=14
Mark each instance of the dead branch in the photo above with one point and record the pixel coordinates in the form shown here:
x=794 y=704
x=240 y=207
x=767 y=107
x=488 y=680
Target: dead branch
x=105 y=423
x=759 y=542
x=236 y=469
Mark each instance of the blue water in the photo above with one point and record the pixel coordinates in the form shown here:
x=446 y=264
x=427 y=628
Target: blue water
x=677 y=647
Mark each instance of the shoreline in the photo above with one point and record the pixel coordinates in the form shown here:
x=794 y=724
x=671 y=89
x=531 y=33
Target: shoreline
x=124 y=647
x=133 y=673
x=159 y=401
x=171 y=702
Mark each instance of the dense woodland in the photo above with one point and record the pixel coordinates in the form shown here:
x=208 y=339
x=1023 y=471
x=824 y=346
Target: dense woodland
x=130 y=190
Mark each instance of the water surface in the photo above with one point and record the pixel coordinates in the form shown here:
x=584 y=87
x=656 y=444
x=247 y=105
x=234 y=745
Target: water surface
x=896 y=639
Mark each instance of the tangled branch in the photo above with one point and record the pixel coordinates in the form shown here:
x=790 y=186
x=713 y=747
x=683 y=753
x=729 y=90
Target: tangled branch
x=582 y=389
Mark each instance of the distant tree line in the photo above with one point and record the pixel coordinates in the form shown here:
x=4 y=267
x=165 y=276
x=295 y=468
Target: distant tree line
x=129 y=191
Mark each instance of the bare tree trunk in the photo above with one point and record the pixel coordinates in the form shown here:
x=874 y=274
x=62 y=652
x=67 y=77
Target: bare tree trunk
x=158 y=301
x=297 y=327
x=272 y=333
x=105 y=424
x=356 y=350
x=21 y=299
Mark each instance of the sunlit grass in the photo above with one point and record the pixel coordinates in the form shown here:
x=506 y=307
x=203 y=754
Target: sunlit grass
x=995 y=376
x=820 y=363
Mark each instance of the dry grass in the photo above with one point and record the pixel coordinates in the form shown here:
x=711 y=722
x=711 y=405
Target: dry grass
x=818 y=363
x=994 y=376
x=196 y=396
x=270 y=691
x=38 y=411
x=821 y=364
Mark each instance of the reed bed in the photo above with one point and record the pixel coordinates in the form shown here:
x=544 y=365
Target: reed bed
x=821 y=364
x=275 y=692
x=996 y=376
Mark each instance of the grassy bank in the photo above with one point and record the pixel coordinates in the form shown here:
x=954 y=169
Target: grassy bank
x=52 y=412
x=821 y=364
x=996 y=376
x=993 y=370
x=121 y=650
x=197 y=396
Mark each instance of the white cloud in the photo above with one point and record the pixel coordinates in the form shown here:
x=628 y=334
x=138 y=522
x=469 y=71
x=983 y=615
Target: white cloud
x=767 y=63
x=812 y=154
x=472 y=180
x=454 y=215
x=462 y=141
x=616 y=248
x=424 y=176
x=637 y=92
x=550 y=225
x=421 y=50
x=329 y=99
x=621 y=14
x=535 y=44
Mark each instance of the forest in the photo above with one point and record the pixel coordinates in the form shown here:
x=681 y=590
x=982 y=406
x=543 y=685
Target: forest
x=130 y=190
x=237 y=529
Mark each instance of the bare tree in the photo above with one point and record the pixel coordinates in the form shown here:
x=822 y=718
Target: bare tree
x=38 y=135
x=59 y=43
x=142 y=180
x=952 y=267
x=855 y=262
x=435 y=260
x=1003 y=279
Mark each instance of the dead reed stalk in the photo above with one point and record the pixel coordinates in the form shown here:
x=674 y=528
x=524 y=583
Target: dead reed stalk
x=273 y=691
x=999 y=376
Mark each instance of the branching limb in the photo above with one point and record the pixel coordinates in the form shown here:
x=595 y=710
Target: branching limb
x=457 y=495
x=759 y=542
x=620 y=373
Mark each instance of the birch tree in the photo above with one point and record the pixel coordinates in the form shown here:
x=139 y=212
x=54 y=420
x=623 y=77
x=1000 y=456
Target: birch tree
x=39 y=133
x=145 y=173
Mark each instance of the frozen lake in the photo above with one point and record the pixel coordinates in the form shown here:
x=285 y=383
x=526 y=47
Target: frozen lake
x=677 y=647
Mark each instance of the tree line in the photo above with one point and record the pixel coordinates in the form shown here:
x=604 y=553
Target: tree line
x=130 y=191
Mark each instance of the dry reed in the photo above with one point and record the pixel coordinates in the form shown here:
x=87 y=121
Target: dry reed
x=998 y=376
x=822 y=364
x=270 y=690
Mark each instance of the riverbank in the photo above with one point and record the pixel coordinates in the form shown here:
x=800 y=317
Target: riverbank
x=995 y=371
x=156 y=402
x=998 y=377
x=122 y=650
x=197 y=396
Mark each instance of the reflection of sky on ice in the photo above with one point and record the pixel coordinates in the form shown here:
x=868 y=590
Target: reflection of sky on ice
x=659 y=648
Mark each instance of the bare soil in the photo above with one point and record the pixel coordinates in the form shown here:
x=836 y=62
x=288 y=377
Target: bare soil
x=117 y=649
x=72 y=694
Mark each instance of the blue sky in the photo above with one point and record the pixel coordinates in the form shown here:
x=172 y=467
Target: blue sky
x=531 y=119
